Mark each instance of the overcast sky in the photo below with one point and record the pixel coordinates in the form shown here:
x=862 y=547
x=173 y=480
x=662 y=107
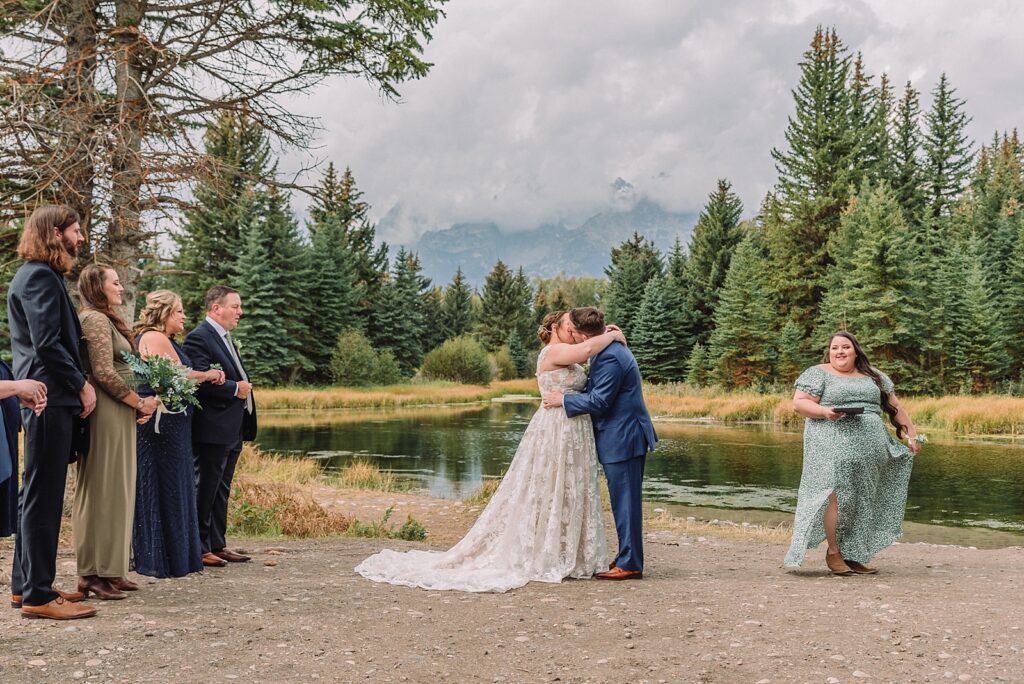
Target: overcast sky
x=533 y=107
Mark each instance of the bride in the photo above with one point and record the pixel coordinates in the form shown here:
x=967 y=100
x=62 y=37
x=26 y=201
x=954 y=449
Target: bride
x=544 y=522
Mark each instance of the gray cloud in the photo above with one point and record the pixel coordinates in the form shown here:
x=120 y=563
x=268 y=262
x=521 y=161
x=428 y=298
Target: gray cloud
x=533 y=107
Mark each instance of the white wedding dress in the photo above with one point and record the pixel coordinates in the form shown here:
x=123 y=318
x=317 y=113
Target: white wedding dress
x=543 y=524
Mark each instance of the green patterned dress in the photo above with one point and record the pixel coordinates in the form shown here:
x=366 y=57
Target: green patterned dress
x=856 y=457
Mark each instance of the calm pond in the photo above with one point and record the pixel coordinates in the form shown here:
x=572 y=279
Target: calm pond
x=968 y=492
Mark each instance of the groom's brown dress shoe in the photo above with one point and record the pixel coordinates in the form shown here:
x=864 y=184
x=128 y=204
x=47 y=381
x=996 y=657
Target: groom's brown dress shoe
x=212 y=561
x=231 y=557
x=620 y=574
x=71 y=596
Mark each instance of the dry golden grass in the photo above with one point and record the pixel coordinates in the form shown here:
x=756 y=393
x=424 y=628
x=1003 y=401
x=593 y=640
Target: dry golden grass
x=297 y=418
x=276 y=508
x=365 y=475
x=270 y=467
x=723 y=530
x=392 y=396
x=962 y=415
x=482 y=496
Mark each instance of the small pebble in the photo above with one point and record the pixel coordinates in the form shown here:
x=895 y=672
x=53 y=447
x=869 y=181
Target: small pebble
x=861 y=675
x=78 y=674
x=270 y=563
x=37 y=663
x=93 y=663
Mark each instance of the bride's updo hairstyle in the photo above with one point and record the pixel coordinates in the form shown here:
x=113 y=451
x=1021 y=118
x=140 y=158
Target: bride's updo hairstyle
x=547 y=327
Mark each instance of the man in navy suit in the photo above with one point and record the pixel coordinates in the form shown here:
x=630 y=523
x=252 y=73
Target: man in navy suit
x=227 y=417
x=45 y=338
x=623 y=431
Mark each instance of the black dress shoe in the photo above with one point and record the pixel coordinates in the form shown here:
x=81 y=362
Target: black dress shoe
x=231 y=557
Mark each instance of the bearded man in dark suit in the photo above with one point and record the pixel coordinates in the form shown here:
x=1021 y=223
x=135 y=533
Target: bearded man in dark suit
x=45 y=336
x=227 y=418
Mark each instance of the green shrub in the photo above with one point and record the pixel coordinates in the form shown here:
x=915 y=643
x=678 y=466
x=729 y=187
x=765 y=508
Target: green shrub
x=388 y=372
x=355 y=363
x=412 y=530
x=460 y=359
x=504 y=366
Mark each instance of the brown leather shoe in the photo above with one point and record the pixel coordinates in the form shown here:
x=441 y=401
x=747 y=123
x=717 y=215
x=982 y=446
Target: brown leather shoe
x=860 y=568
x=212 y=561
x=122 y=583
x=72 y=596
x=100 y=588
x=620 y=574
x=231 y=557
x=611 y=566
x=58 y=609
x=836 y=564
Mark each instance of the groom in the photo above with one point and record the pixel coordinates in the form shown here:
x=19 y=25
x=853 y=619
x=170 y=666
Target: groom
x=623 y=431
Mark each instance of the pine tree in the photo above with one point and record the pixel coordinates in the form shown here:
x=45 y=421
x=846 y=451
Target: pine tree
x=398 y=320
x=335 y=294
x=633 y=263
x=517 y=352
x=792 y=353
x=873 y=294
x=522 y=293
x=457 y=307
x=1013 y=301
x=698 y=372
x=977 y=359
x=501 y=308
x=815 y=174
x=712 y=244
x=948 y=151
x=342 y=201
x=272 y=275
x=908 y=174
x=211 y=236
x=656 y=342
x=433 y=333
x=998 y=183
x=742 y=348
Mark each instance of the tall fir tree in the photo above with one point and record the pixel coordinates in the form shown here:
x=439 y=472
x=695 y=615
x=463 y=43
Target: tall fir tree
x=505 y=307
x=341 y=200
x=977 y=358
x=948 y=152
x=211 y=235
x=433 y=332
x=873 y=292
x=334 y=291
x=633 y=264
x=656 y=341
x=272 y=275
x=457 y=306
x=1013 y=301
x=908 y=173
x=712 y=244
x=815 y=175
x=742 y=350
x=398 y=319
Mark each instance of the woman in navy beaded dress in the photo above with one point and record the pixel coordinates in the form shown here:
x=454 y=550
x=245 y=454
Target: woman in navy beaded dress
x=165 y=537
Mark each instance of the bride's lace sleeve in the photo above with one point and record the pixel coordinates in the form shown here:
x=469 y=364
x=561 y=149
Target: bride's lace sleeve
x=96 y=330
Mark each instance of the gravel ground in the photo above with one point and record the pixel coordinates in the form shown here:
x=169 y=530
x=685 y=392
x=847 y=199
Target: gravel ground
x=708 y=610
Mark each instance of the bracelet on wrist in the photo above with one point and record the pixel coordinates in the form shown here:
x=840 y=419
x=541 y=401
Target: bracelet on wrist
x=140 y=403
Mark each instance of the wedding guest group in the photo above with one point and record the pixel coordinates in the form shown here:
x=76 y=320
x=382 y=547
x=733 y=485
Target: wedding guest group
x=150 y=485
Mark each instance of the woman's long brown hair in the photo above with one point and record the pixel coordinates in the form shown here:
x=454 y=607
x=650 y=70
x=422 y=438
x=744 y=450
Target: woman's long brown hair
x=864 y=366
x=90 y=289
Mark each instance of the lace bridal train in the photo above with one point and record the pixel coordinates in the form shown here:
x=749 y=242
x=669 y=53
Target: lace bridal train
x=543 y=524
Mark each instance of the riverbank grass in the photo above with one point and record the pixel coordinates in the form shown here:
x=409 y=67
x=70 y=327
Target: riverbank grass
x=390 y=396
x=275 y=496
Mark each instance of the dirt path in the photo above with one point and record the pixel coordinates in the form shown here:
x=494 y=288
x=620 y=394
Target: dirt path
x=709 y=610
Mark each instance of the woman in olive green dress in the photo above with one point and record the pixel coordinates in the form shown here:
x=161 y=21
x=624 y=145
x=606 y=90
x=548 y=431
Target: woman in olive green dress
x=105 y=485
x=853 y=489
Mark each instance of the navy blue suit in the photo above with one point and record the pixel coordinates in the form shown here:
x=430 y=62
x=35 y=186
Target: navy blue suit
x=218 y=429
x=45 y=338
x=624 y=434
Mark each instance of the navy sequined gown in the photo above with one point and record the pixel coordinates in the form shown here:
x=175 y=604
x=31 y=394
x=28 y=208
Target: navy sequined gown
x=165 y=538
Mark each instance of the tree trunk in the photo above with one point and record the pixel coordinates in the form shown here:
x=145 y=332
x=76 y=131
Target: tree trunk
x=124 y=235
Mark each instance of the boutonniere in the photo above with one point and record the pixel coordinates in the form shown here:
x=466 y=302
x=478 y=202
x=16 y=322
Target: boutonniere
x=586 y=367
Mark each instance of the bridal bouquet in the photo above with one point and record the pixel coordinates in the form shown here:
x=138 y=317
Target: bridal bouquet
x=169 y=380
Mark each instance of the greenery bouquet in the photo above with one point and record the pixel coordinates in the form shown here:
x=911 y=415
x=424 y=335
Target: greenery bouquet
x=169 y=381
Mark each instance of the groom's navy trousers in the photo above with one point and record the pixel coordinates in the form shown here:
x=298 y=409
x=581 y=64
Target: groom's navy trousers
x=624 y=434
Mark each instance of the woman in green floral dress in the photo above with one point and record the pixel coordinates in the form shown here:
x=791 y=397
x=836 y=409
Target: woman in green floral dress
x=853 y=489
